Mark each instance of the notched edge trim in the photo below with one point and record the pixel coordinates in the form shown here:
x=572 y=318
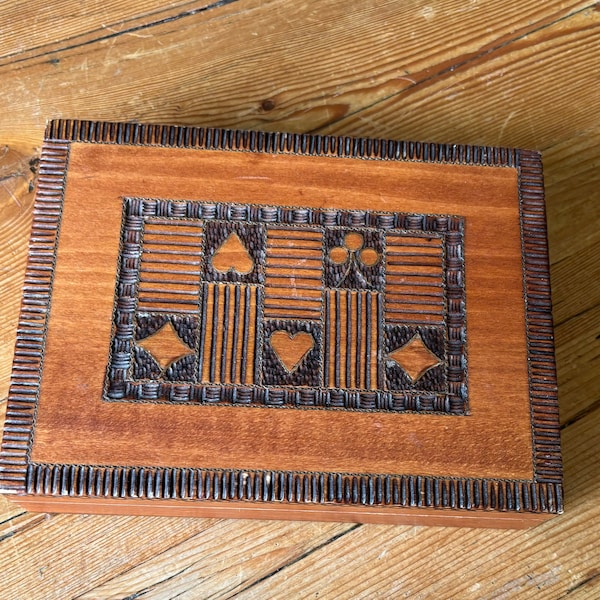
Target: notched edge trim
x=289 y=487
x=33 y=320
x=209 y=138
x=543 y=389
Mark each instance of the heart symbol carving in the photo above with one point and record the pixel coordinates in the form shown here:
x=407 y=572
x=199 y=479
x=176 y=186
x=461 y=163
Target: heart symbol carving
x=291 y=349
x=232 y=256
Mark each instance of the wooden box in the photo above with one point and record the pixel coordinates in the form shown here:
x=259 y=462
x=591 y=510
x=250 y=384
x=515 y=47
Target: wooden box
x=242 y=324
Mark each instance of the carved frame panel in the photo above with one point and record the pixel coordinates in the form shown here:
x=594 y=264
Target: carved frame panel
x=19 y=474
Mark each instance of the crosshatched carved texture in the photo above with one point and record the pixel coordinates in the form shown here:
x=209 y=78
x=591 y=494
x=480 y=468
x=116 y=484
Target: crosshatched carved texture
x=227 y=258
x=302 y=340
x=168 y=351
x=359 y=292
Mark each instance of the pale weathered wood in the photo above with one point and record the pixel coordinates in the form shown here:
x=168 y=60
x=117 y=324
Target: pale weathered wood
x=317 y=62
x=224 y=555
x=572 y=184
x=518 y=76
x=16 y=201
x=240 y=72
x=197 y=566
x=38 y=28
x=573 y=209
x=577 y=357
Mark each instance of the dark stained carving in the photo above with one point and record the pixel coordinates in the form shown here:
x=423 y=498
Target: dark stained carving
x=225 y=278
x=186 y=327
x=354 y=259
x=234 y=252
x=291 y=353
x=144 y=365
x=165 y=348
x=415 y=358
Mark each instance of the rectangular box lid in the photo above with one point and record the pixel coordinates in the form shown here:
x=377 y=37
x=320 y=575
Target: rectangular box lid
x=284 y=326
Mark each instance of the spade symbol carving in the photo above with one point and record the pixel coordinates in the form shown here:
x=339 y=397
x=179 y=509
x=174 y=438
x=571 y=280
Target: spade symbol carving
x=232 y=256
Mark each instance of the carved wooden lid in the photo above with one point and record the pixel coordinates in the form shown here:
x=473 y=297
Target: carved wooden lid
x=285 y=326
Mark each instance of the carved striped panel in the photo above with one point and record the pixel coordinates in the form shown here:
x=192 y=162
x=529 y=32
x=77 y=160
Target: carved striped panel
x=293 y=277
x=170 y=266
x=351 y=339
x=415 y=280
x=229 y=329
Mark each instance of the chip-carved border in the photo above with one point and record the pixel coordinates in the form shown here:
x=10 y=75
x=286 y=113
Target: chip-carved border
x=208 y=138
x=542 y=494
x=33 y=321
x=543 y=391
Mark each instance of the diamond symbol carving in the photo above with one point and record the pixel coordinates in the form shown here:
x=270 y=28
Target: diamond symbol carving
x=165 y=346
x=415 y=357
x=321 y=305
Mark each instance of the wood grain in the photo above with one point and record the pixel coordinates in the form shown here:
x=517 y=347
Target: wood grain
x=296 y=68
x=19 y=42
x=16 y=201
x=112 y=159
x=66 y=422
x=391 y=559
x=499 y=73
x=179 y=545
x=573 y=200
x=278 y=66
x=379 y=552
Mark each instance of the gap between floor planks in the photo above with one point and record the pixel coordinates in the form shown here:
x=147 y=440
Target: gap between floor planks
x=459 y=63
x=490 y=41
x=55 y=46
x=29 y=52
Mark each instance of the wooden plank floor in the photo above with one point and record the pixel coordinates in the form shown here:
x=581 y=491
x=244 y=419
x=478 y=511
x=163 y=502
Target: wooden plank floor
x=518 y=73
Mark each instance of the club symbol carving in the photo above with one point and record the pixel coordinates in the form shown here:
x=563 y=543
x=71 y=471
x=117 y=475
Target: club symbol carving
x=271 y=305
x=356 y=259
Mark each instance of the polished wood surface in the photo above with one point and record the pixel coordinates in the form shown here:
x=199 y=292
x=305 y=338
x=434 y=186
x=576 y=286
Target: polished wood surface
x=309 y=440
x=517 y=74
